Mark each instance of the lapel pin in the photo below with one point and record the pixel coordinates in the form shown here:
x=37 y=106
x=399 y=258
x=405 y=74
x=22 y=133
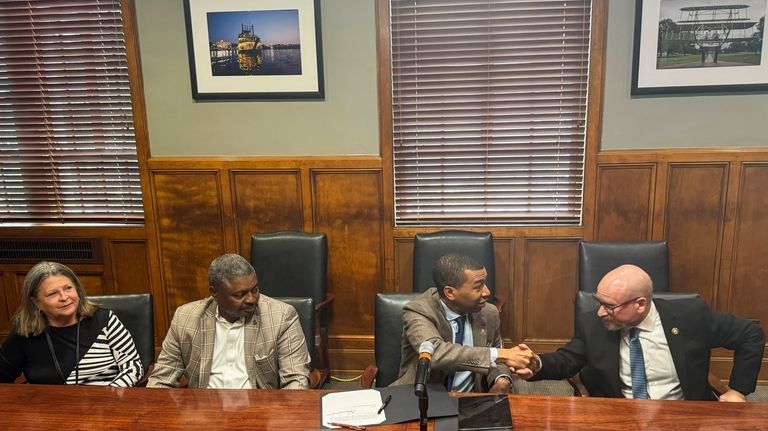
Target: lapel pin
x=675 y=331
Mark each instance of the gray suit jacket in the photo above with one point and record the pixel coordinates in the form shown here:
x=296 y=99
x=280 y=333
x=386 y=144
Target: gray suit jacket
x=424 y=319
x=275 y=349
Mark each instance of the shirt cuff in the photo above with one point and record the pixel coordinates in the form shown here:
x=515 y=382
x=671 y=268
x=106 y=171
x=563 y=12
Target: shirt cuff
x=503 y=376
x=494 y=356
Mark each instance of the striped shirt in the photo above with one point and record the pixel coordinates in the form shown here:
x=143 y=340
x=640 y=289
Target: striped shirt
x=107 y=355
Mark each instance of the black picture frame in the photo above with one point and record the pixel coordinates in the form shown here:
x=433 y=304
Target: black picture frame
x=254 y=49
x=700 y=48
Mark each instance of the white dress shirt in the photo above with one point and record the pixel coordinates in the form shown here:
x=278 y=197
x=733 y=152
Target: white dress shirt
x=228 y=368
x=660 y=372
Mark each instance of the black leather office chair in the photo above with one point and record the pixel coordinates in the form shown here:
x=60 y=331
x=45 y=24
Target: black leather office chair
x=137 y=315
x=585 y=304
x=305 y=308
x=295 y=264
x=428 y=247
x=388 y=315
x=597 y=258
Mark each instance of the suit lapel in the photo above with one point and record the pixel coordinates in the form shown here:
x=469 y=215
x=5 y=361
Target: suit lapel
x=207 y=338
x=251 y=333
x=443 y=325
x=669 y=320
x=611 y=343
x=479 y=330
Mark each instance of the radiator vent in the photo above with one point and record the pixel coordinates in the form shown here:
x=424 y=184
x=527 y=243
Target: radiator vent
x=65 y=250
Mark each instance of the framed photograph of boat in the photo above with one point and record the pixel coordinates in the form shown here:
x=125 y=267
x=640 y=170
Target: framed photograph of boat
x=684 y=46
x=254 y=49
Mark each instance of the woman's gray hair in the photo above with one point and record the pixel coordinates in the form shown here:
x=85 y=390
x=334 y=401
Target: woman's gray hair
x=28 y=321
x=226 y=267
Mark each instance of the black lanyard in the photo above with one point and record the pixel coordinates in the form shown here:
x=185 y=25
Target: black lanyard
x=56 y=360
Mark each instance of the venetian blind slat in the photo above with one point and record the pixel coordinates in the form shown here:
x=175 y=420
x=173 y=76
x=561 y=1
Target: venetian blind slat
x=489 y=111
x=67 y=143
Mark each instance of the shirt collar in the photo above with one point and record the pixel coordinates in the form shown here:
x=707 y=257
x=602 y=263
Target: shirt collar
x=219 y=318
x=449 y=314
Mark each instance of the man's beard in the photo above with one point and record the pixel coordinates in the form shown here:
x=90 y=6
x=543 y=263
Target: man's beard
x=613 y=326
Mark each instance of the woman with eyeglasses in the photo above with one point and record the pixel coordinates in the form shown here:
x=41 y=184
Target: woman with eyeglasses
x=58 y=336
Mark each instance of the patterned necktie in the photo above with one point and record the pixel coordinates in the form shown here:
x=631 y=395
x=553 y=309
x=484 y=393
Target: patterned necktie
x=458 y=339
x=637 y=366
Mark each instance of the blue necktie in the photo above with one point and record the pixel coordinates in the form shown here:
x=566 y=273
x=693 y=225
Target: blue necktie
x=459 y=339
x=460 y=329
x=637 y=366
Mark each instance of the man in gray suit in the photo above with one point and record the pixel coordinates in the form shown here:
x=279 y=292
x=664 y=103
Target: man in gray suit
x=236 y=338
x=464 y=330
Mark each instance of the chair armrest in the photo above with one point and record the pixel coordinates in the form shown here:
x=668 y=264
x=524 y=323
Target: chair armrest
x=329 y=297
x=579 y=389
x=369 y=375
x=316 y=379
x=320 y=348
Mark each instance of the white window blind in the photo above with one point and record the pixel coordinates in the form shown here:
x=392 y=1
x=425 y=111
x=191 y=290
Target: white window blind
x=489 y=108
x=67 y=145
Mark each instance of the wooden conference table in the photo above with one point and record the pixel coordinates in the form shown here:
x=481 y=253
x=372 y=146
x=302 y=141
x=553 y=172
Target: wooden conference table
x=34 y=407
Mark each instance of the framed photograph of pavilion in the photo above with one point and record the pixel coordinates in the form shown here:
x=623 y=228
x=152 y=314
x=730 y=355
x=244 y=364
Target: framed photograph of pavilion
x=254 y=49
x=694 y=46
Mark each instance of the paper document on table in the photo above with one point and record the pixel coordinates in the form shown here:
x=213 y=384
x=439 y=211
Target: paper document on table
x=353 y=408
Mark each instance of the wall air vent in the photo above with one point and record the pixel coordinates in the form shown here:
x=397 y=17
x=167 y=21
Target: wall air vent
x=64 y=250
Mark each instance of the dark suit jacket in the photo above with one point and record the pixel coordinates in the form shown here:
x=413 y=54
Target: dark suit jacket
x=424 y=319
x=691 y=328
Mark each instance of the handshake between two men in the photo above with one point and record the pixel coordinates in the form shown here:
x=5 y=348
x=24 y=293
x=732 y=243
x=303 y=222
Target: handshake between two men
x=457 y=318
x=520 y=359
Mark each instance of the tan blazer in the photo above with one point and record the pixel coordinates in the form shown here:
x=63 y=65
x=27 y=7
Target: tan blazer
x=424 y=319
x=275 y=349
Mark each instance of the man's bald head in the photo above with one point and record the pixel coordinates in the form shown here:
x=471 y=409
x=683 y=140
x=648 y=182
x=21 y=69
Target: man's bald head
x=624 y=296
x=629 y=280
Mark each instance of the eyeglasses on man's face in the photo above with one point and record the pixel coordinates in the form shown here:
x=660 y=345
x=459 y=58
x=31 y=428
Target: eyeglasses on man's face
x=611 y=308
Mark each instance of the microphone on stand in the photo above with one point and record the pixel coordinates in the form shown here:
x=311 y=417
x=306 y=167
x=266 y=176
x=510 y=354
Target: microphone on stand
x=422 y=370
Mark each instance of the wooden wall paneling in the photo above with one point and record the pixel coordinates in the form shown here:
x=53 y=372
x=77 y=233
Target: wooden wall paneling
x=624 y=202
x=384 y=88
x=307 y=197
x=403 y=266
x=228 y=223
x=694 y=219
x=5 y=306
x=18 y=283
x=90 y=277
x=748 y=292
x=190 y=231
x=14 y=288
x=518 y=294
x=548 y=289
x=93 y=282
x=597 y=49
x=130 y=266
x=658 y=201
x=348 y=208
x=503 y=261
x=265 y=201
